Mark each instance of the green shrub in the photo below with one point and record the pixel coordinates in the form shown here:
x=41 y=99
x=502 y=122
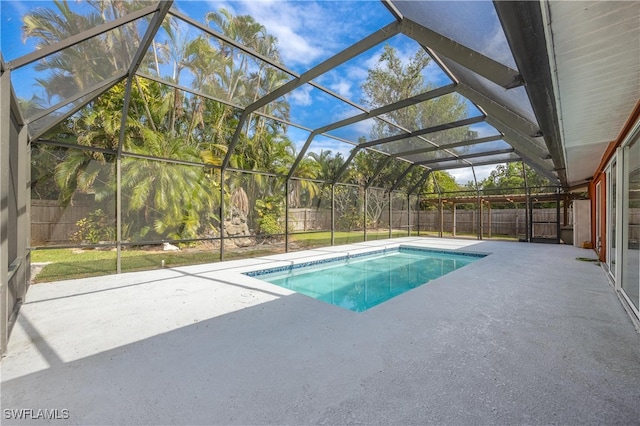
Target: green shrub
x=94 y=228
x=269 y=210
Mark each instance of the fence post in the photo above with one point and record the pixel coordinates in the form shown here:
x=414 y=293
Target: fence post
x=489 y=215
x=390 y=214
x=286 y=216
x=333 y=209
x=408 y=215
x=441 y=216
x=454 y=219
x=418 y=218
x=365 y=214
x=480 y=221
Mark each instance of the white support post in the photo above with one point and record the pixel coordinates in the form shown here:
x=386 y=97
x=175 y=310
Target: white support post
x=454 y=219
x=5 y=142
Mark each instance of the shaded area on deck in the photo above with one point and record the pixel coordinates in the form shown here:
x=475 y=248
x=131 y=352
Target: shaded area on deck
x=528 y=334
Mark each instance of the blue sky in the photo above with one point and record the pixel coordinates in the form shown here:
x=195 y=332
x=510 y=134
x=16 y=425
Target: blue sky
x=308 y=33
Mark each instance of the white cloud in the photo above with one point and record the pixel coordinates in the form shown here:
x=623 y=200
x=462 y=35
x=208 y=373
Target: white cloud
x=465 y=175
x=292 y=25
x=301 y=96
x=462 y=176
x=328 y=144
x=342 y=87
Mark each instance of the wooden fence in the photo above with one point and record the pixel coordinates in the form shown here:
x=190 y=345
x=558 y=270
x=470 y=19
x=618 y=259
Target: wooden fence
x=52 y=223
x=509 y=222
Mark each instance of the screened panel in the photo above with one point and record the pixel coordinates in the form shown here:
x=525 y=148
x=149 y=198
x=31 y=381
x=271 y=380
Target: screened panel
x=265 y=147
x=187 y=56
x=325 y=157
x=350 y=174
x=312 y=33
x=390 y=174
x=310 y=107
x=45 y=122
x=477 y=25
x=515 y=99
x=414 y=211
x=428 y=218
x=349 y=213
x=449 y=164
x=441 y=110
x=84 y=16
x=399 y=215
x=416 y=176
x=377 y=213
x=480 y=147
x=440 y=138
x=68 y=73
x=166 y=201
x=309 y=206
x=366 y=130
x=254 y=208
x=166 y=122
x=461 y=221
x=72 y=197
x=358 y=79
x=498 y=158
x=462 y=150
x=505 y=220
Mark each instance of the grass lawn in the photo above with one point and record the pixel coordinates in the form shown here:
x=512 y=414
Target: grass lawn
x=73 y=263
x=64 y=264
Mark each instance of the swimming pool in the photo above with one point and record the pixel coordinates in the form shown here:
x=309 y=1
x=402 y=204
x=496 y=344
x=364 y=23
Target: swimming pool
x=359 y=282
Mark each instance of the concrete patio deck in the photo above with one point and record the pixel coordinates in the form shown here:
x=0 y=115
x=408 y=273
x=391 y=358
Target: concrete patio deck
x=527 y=335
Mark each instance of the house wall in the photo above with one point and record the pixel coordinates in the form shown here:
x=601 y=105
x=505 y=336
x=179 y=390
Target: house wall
x=623 y=261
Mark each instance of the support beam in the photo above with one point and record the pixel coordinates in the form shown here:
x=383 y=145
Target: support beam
x=420 y=182
x=490 y=69
x=438 y=128
x=525 y=148
x=524 y=27
x=375 y=174
x=301 y=154
x=441 y=91
x=500 y=112
x=345 y=166
x=23 y=195
x=484 y=163
x=466 y=156
x=448 y=146
x=5 y=144
x=163 y=7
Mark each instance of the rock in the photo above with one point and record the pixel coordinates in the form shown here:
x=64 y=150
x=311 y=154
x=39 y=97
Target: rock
x=169 y=247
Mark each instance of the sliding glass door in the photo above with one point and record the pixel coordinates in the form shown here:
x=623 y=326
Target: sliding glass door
x=611 y=216
x=631 y=224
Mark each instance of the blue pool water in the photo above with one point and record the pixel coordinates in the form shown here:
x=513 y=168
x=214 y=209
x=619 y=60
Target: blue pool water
x=359 y=283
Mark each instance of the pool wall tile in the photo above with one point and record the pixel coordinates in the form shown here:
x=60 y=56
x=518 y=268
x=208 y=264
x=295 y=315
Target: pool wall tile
x=285 y=268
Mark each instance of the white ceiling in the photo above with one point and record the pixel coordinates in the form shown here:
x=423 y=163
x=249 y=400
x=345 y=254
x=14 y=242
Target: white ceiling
x=596 y=49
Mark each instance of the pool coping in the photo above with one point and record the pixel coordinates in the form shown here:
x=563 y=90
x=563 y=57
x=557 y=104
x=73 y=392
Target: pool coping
x=300 y=263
